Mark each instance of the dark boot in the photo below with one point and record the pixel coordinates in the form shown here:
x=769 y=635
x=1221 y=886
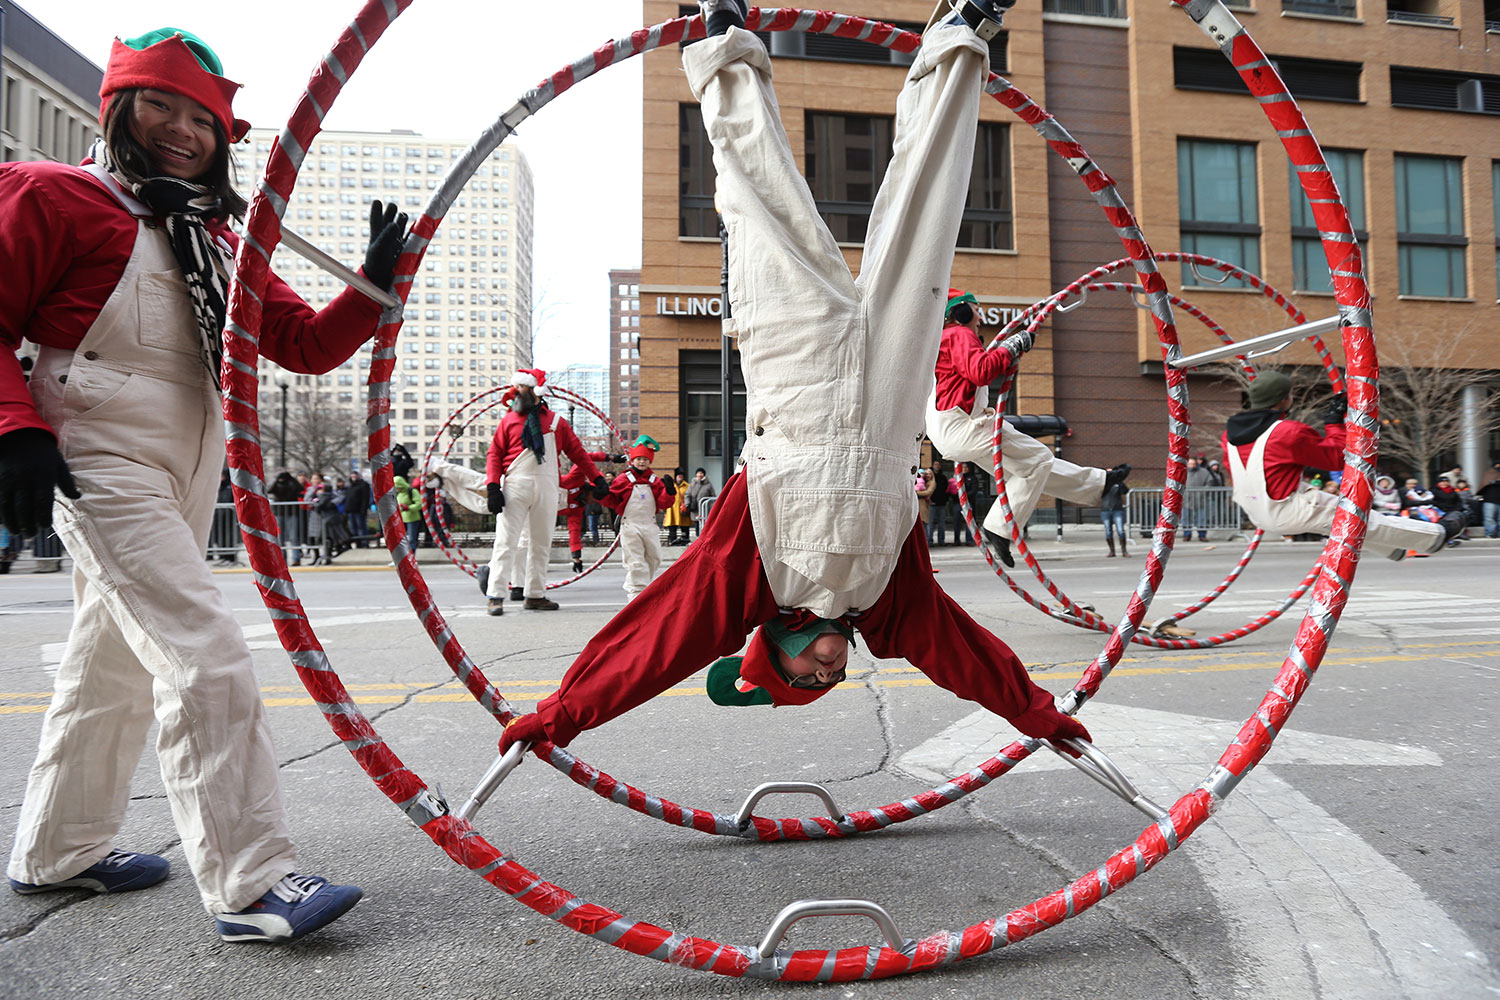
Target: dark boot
x=540 y=604
x=1124 y=549
x=495 y=606
x=1001 y=547
x=518 y=593
x=577 y=560
x=482 y=576
x=1111 y=543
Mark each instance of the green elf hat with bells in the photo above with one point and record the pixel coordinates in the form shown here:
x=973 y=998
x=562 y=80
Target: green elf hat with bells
x=756 y=679
x=955 y=298
x=177 y=61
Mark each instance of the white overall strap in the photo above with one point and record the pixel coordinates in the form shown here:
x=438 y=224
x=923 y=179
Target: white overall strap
x=131 y=204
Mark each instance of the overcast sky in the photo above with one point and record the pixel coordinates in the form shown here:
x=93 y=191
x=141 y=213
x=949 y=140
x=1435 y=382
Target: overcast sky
x=447 y=69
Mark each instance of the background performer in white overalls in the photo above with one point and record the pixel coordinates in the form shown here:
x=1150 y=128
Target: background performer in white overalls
x=1265 y=454
x=637 y=494
x=522 y=486
x=961 y=424
x=819 y=534
x=119 y=270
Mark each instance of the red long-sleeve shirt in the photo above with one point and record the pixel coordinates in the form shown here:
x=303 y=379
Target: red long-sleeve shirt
x=651 y=645
x=64 y=244
x=963 y=365
x=624 y=484
x=1291 y=447
x=506 y=445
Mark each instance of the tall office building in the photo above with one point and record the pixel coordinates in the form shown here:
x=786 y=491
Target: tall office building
x=625 y=352
x=50 y=106
x=468 y=317
x=1402 y=96
x=592 y=383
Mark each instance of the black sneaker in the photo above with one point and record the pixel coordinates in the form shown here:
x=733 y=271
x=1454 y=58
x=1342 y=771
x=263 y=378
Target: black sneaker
x=984 y=16
x=1116 y=475
x=1001 y=547
x=518 y=593
x=721 y=15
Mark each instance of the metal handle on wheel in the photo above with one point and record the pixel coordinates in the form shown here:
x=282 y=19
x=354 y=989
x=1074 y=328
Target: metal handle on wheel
x=804 y=908
x=503 y=765
x=804 y=787
x=1096 y=764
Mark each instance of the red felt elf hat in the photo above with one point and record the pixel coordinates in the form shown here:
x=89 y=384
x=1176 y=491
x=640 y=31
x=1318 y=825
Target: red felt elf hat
x=177 y=61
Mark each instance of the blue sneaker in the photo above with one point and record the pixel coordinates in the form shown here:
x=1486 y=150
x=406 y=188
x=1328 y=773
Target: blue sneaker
x=118 y=872
x=297 y=905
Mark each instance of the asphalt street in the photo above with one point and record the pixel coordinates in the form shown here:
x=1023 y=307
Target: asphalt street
x=1356 y=863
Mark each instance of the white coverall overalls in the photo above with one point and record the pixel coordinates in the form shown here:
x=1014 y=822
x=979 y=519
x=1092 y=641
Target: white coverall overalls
x=1030 y=468
x=466 y=487
x=1310 y=511
x=640 y=538
x=530 y=510
x=833 y=426
x=138 y=420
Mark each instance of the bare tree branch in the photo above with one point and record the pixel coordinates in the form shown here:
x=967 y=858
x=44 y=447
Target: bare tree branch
x=320 y=434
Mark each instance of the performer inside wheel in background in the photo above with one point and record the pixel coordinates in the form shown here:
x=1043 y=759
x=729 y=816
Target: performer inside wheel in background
x=119 y=269
x=961 y=424
x=818 y=537
x=521 y=489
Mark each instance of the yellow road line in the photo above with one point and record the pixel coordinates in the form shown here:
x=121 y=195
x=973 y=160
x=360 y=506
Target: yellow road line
x=390 y=693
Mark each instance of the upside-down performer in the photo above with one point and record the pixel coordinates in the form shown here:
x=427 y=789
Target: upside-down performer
x=1265 y=453
x=521 y=489
x=818 y=537
x=961 y=423
x=119 y=270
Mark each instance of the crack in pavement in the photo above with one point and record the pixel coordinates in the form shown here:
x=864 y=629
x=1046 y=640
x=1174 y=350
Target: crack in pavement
x=71 y=898
x=1199 y=988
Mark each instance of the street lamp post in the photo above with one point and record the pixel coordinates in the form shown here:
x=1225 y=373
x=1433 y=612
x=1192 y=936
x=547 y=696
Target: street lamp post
x=284 y=386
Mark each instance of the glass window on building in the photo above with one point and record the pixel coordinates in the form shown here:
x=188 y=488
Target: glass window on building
x=1430 y=236
x=1309 y=263
x=1495 y=202
x=988 y=221
x=846 y=158
x=695 y=176
x=1217 y=205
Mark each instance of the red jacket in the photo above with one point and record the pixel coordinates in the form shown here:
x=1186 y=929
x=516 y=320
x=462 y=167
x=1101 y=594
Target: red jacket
x=64 y=243
x=1291 y=447
x=574 y=480
x=506 y=445
x=963 y=365
x=620 y=489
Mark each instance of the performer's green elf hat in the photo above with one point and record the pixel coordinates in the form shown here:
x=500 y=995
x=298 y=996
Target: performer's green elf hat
x=754 y=679
x=955 y=296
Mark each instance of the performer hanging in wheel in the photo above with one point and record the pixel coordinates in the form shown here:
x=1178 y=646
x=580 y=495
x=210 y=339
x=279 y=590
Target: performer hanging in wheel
x=521 y=488
x=818 y=536
x=119 y=269
x=636 y=495
x=961 y=424
x=1265 y=453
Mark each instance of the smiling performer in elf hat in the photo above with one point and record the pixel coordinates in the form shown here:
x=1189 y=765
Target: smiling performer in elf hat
x=818 y=537
x=119 y=270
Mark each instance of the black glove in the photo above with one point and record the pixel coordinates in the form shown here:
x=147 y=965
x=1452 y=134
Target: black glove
x=494 y=498
x=387 y=234
x=31 y=468
x=601 y=488
x=620 y=458
x=1018 y=344
x=1337 y=407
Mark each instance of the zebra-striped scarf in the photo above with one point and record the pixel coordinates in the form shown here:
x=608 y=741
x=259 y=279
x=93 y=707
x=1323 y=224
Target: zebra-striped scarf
x=183 y=205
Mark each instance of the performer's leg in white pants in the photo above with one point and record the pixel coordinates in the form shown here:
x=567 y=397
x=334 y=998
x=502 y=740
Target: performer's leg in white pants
x=153 y=631
x=1312 y=511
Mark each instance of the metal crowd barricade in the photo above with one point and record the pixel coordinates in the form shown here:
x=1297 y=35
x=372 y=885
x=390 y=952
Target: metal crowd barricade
x=292 y=520
x=1211 y=508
